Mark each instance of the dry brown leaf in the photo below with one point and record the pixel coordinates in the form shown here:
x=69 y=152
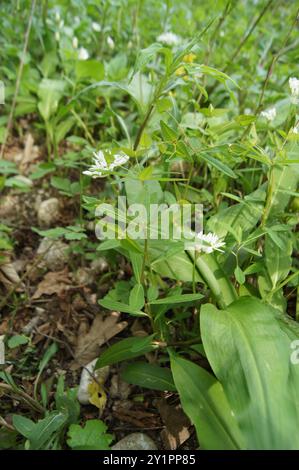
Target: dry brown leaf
x=177 y=424
x=53 y=283
x=9 y=276
x=101 y=330
x=30 y=153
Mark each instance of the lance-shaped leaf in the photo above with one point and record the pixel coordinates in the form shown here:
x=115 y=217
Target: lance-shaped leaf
x=249 y=346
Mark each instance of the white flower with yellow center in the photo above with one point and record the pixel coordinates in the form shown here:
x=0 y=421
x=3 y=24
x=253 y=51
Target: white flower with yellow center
x=101 y=165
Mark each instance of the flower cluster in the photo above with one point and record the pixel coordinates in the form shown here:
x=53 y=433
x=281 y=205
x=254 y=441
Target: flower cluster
x=169 y=38
x=101 y=165
x=294 y=86
x=269 y=114
x=206 y=243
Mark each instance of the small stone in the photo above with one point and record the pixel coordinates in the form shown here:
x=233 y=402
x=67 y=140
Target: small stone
x=8 y=206
x=99 y=265
x=84 y=276
x=135 y=441
x=55 y=253
x=48 y=212
x=87 y=377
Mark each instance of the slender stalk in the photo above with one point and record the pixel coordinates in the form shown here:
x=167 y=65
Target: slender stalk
x=142 y=127
x=25 y=397
x=18 y=82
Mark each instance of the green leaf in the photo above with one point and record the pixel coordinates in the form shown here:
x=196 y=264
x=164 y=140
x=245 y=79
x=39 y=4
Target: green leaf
x=244 y=215
x=92 y=436
x=204 y=401
x=50 y=93
x=137 y=263
x=177 y=299
x=23 y=425
x=121 y=307
x=149 y=376
x=17 y=340
x=249 y=351
x=218 y=164
x=136 y=299
x=44 y=429
x=169 y=135
x=126 y=349
x=91 y=69
x=239 y=275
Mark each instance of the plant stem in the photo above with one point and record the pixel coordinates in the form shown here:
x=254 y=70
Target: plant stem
x=18 y=82
x=210 y=271
x=142 y=127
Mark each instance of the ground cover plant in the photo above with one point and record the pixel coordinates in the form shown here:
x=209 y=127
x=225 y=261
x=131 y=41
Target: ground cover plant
x=148 y=240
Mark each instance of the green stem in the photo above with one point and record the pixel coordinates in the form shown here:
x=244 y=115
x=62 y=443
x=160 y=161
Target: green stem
x=210 y=271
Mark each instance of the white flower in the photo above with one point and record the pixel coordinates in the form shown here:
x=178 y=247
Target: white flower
x=100 y=163
x=207 y=243
x=96 y=26
x=295 y=129
x=57 y=36
x=83 y=54
x=75 y=42
x=61 y=24
x=169 y=38
x=294 y=86
x=110 y=42
x=270 y=114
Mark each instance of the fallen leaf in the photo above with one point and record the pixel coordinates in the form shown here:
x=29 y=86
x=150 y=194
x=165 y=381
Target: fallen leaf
x=101 y=330
x=97 y=395
x=53 y=283
x=176 y=431
x=30 y=153
x=9 y=276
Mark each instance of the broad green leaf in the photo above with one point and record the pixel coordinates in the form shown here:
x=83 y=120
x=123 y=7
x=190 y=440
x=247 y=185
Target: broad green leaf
x=249 y=346
x=244 y=215
x=278 y=260
x=149 y=376
x=92 y=436
x=125 y=349
x=136 y=299
x=17 y=340
x=204 y=401
x=92 y=69
x=50 y=93
x=23 y=425
x=169 y=135
x=137 y=263
x=45 y=428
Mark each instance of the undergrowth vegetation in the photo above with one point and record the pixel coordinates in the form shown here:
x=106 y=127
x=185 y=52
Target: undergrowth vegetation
x=147 y=103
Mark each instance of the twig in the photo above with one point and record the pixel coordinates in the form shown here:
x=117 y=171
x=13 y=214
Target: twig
x=18 y=82
x=27 y=398
x=5 y=424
